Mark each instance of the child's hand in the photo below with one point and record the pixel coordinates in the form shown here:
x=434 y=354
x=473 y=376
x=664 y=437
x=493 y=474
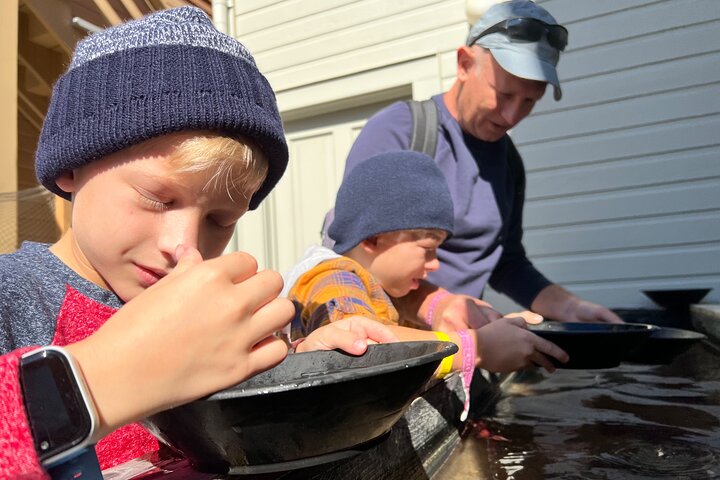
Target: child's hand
x=505 y=345
x=462 y=312
x=529 y=317
x=352 y=335
x=206 y=326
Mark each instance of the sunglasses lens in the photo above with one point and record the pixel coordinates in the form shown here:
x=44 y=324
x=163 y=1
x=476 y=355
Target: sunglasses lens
x=529 y=30
x=558 y=37
x=524 y=29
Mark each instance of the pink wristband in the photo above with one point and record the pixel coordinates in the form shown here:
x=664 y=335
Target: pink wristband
x=468 y=366
x=437 y=296
x=294 y=344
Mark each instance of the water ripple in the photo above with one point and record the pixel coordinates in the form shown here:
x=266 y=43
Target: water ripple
x=677 y=460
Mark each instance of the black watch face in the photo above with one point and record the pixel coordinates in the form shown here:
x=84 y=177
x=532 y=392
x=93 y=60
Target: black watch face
x=58 y=416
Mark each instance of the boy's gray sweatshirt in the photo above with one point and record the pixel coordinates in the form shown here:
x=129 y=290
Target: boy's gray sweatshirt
x=35 y=286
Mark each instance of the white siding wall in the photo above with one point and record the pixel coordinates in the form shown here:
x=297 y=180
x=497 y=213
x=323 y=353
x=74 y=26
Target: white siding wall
x=623 y=173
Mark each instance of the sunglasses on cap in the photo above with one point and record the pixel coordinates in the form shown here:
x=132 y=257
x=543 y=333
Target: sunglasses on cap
x=529 y=30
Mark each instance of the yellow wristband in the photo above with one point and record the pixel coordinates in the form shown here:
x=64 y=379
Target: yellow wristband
x=447 y=362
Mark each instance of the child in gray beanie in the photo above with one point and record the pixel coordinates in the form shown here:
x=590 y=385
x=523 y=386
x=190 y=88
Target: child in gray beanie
x=391 y=214
x=162 y=133
x=392 y=211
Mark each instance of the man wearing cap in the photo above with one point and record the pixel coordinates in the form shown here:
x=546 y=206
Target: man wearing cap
x=502 y=71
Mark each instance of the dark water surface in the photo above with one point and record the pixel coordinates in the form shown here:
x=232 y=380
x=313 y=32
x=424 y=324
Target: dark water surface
x=633 y=422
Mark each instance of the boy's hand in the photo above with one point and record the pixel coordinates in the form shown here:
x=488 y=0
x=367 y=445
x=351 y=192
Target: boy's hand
x=529 y=317
x=462 y=312
x=352 y=335
x=206 y=326
x=506 y=345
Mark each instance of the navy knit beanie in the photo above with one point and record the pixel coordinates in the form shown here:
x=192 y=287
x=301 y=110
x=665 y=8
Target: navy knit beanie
x=167 y=72
x=390 y=191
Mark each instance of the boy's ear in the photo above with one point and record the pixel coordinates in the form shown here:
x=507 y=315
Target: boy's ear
x=66 y=182
x=370 y=244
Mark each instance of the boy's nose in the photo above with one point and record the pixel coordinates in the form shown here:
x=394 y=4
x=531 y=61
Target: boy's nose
x=179 y=228
x=432 y=265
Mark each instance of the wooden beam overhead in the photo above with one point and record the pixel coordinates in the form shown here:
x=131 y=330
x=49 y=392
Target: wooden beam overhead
x=203 y=4
x=155 y=5
x=29 y=113
x=132 y=8
x=152 y=4
x=108 y=11
x=42 y=63
x=37 y=104
x=29 y=81
x=56 y=17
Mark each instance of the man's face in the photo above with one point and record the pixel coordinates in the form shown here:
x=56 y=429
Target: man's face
x=491 y=101
x=132 y=210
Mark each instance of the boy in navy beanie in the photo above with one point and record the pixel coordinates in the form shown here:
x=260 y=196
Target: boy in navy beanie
x=392 y=212
x=163 y=133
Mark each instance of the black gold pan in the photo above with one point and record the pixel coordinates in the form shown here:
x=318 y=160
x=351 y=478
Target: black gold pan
x=594 y=345
x=312 y=408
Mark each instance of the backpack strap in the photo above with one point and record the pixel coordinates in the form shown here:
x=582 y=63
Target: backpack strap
x=425 y=126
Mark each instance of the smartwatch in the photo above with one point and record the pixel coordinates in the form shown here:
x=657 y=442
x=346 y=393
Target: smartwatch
x=59 y=408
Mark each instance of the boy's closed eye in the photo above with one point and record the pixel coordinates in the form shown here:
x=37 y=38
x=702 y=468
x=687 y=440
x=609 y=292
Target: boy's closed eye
x=153 y=200
x=155 y=204
x=222 y=222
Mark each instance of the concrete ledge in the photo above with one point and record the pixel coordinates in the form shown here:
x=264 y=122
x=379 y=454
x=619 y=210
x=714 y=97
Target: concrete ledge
x=706 y=319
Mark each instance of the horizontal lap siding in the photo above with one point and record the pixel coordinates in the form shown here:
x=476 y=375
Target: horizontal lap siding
x=624 y=173
x=298 y=43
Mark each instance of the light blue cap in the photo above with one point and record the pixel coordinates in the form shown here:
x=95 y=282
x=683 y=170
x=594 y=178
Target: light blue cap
x=530 y=60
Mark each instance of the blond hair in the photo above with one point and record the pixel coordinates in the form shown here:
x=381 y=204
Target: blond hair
x=234 y=163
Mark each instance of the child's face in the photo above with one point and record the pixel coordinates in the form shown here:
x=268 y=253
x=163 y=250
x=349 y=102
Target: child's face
x=402 y=259
x=131 y=210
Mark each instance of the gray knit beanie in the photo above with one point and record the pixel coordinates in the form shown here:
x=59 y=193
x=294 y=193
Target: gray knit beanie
x=391 y=191
x=167 y=72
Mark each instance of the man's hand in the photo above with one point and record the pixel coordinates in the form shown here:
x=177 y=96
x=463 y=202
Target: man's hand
x=556 y=303
x=584 y=311
x=352 y=335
